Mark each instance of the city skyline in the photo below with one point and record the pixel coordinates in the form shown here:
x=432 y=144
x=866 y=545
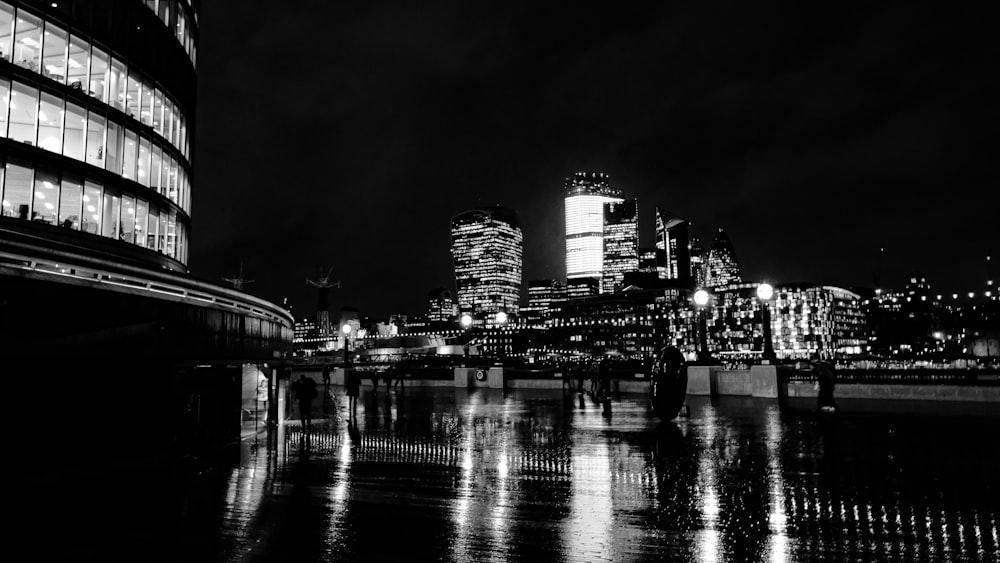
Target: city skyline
x=782 y=148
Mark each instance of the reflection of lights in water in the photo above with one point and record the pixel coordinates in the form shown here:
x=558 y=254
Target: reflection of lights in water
x=776 y=518
x=460 y=545
x=501 y=508
x=707 y=544
x=591 y=511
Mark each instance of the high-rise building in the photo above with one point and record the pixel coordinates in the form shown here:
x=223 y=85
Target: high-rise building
x=586 y=194
x=542 y=295
x=672 y=239
x=486 y=248
x=722 y=267
x=648 y=260
x=582 y=287
x=621 y=243
x=697 y=253
x=97 y=111
x=441 y=307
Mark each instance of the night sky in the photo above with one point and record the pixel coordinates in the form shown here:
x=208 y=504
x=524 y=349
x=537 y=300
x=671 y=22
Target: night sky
x=348 y=134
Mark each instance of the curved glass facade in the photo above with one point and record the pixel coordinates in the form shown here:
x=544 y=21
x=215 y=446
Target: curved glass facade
x=100 y=144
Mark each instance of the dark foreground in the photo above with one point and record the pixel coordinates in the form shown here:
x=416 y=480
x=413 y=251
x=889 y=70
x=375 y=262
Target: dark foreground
x=452 y=475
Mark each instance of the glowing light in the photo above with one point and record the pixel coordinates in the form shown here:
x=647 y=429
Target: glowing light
x=346 y=329
x=701 y=298
x=466 y=320
x=765 y=291
x=501 y=317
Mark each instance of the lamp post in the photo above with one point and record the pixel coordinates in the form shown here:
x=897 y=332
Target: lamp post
x=765 y=292
x=701 y=298
x=501 y=319
x=346 y=329
x=466 y=322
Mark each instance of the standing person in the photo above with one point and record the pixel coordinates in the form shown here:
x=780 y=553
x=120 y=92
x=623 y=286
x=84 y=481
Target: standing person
x=605 y=373
x=326 y=378
x=826 y=376
x=305 y=392
x=352 y=385
x=595 y=377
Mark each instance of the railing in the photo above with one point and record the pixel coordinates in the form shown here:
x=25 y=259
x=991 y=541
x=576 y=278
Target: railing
x=905 y=377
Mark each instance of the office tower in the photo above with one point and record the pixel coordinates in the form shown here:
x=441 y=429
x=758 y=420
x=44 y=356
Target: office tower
x=97 y=110
x=486 y=248
x=648 y=260
x=441 y=306
x=672 y=239
x=697 y=253
x=586 y=194
x=543 y=293
x=722 y=266
x=621 y=243
x=582 y=287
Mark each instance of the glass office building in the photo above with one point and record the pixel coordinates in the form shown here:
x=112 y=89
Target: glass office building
x=672 y=239
x=722 y=268
x=96 y=111
x=486 y=248
x=621 y=244
x=586 y=194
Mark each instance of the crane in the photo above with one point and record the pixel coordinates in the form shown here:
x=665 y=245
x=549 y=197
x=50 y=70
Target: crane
x=239 y=281
x=323 y=283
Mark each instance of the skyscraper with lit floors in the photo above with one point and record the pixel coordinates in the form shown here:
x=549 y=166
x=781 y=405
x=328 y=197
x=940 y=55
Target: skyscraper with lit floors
x=486 y=249
x=586 y=194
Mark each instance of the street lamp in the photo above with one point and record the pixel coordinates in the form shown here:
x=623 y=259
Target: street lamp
x=501 y=319
x=701 y=298
x=466 y=322
x=346 y=329
x=765 y=292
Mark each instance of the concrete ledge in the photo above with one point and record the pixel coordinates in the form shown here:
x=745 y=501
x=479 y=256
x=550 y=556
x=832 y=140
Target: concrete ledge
x=764 y=381
x=703 y=380
x=735 y=382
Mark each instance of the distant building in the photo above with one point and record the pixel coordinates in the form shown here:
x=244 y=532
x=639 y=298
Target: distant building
x=582 y=287
x=486 y=248
x=621 y=243
x=441 y=306
x=722 y=267
x=697 y=253
x=586 y=194
x=542 y=295
x=648 y=259
x=672 y=239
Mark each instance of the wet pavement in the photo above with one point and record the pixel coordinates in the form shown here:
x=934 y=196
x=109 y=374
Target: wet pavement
x=456 y=475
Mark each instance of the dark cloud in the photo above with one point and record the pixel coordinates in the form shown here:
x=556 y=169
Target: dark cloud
x=348 y=135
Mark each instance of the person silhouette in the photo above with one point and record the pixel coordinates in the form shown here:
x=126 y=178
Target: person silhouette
x=305 y=392
x=352 y=388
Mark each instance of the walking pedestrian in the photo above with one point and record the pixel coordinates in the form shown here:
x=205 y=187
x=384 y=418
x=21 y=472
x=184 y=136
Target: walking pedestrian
x=351 y=384
x=326 y=378
x=305 y=392
x=826 y=377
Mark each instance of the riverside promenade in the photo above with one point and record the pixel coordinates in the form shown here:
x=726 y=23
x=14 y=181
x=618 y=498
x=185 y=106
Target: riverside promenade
x=458 y=474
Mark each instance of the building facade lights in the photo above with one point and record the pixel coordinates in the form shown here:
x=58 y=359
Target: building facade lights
x=487 y=247
x=586 y=194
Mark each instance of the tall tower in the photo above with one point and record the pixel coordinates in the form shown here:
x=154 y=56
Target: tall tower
x=621 y=244
x=586 y=194
x=697 y=262
x=486 y=248
x=672 y=239
x=722 y=267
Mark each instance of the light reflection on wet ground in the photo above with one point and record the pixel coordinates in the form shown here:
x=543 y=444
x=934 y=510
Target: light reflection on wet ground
x=451 y=475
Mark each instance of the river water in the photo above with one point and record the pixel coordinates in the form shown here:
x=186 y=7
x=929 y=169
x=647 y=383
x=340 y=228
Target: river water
x=483 y=475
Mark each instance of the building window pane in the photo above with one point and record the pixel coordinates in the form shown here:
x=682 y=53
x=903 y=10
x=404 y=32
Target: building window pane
x=91 y=222
x=128 y=164
x=76 y=66
x=140 y=222
x=164 y=12
x=50 y=120
x=76 y=124
x=161 y=236
x=142 y=167
x=23 y=110
x=132 y=95
x=70 y=199
x=99 y=75
x=54 y=53
x=96 y=127
x=46 y=205
x=165 y=175
x=128 y=219
x=115 y=141
x=6 y=29
x=146 y=111
x=116 y=85
x=171 y=248
x=152 y=228
x=27 y=40
x=168 y=121
x=154 y=168
x=112 y=206
x=4 y=105
x=172 y=185
x=158 y=112
x=17 y=190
